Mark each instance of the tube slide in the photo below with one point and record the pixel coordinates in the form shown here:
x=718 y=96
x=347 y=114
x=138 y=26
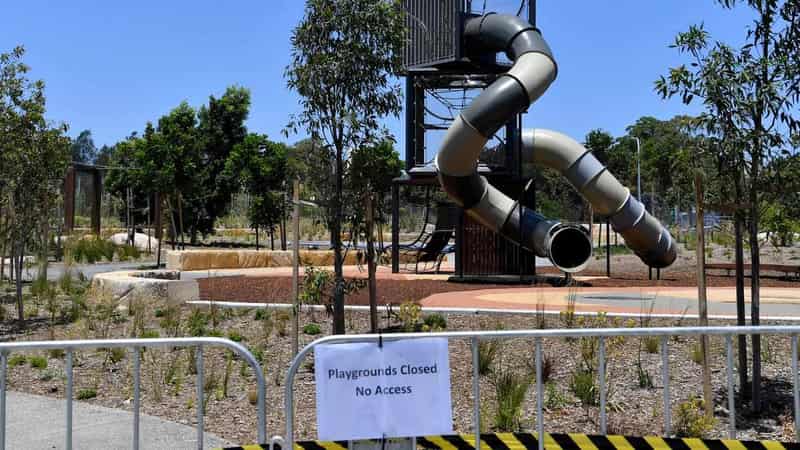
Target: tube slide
x=569 y=247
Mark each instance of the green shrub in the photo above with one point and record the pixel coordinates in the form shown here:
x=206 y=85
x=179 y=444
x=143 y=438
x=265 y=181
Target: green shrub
x=127 y=252
x=258 y=354
x=435 y=322
x=158 y=313
x=262 y=314
x=584 y=388
x=651 y=344
x=697 y=353
x=487 y=352
x=690 y=419
x=312 y=329
x=87 y=394
x=116 y=354
x=554 y=399
x=17 y=360
x=645 y=379
x=150 y=334
x=235 y=336
x=48 y=375
x=510 y=390
x=38 y=362
x=197 y=322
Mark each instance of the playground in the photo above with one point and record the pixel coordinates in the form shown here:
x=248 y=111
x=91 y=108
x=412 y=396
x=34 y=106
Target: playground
x=439 y=247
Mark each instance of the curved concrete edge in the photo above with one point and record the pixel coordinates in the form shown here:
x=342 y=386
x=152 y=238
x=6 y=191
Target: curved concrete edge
x=123 y=283
x=36 y=421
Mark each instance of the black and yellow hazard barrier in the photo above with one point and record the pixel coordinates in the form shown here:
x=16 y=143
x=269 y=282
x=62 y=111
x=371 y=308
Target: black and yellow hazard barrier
x=556 y=441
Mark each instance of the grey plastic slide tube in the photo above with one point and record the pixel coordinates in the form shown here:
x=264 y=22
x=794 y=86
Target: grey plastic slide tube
x=643 y=233
x=568 y=247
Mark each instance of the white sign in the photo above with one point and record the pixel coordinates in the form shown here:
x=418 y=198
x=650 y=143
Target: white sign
x=399 y=390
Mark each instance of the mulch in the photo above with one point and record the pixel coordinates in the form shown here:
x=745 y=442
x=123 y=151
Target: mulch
x=279 y=289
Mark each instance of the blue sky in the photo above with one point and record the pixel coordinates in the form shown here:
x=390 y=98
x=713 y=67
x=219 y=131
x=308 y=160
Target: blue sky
x=111 y=66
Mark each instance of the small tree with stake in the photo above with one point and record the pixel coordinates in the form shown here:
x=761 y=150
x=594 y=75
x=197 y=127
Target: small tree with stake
x=749 y=96
x=33 y=159
x=345 y=53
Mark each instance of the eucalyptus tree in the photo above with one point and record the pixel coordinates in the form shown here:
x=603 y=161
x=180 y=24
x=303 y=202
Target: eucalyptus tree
x=749 y=96
x=260 y=167
x=344 y=56
x=34 y=155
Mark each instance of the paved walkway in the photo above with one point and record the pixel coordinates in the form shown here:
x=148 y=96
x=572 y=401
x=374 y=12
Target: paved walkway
x=37 y=422
x=776 y=302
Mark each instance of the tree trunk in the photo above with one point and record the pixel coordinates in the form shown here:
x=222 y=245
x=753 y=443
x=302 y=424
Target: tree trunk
x=272 y=238
x=296 y=267
x=2 y=261
x=740 y=307
x=172 y=222
x=19 y=256
x=159 y=228
x=755 y=291
x=373 y=297
x=708 y=398
x=180 y=219
x=336 y=237
x=45 y=237
x=283 y=232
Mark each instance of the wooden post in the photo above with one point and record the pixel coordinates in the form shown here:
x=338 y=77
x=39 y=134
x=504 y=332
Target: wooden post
x=701 y=292
x=69 y=201
x=295 y=265
x=97 y=180
x=608 y=246
x=373 y=300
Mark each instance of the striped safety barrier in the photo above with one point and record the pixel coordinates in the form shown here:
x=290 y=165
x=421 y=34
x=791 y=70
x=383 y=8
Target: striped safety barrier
x=556 y=441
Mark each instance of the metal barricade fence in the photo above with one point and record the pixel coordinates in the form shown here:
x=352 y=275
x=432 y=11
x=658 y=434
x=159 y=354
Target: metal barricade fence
x=136 y=345
x=538 y=335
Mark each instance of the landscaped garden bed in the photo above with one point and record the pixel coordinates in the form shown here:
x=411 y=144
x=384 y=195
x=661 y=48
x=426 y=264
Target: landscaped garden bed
x=635 y=395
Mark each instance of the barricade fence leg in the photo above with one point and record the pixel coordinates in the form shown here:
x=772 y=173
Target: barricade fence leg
x=68 y=393
x=539 y=395
x=665 y=381
x=602 y=373
x=731 y=394
x=136 y=395
x=3 y=366
x=795 y=389
x=476 y=393
x=199 y=389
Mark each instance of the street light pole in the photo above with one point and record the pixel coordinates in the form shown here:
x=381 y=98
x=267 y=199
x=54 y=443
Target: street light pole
x=638 y=169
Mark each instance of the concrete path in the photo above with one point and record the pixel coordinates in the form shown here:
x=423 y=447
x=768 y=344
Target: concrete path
x=37 y=422
x=781 y=303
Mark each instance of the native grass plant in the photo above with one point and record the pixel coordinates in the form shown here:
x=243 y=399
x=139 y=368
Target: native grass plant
x=511 y=386
x=101 y=313
x=312 y=329
x=568 y=317
x=510 y=390
x=583 y=382
x=554 y=398
x=487 y=352
x=691 y=420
